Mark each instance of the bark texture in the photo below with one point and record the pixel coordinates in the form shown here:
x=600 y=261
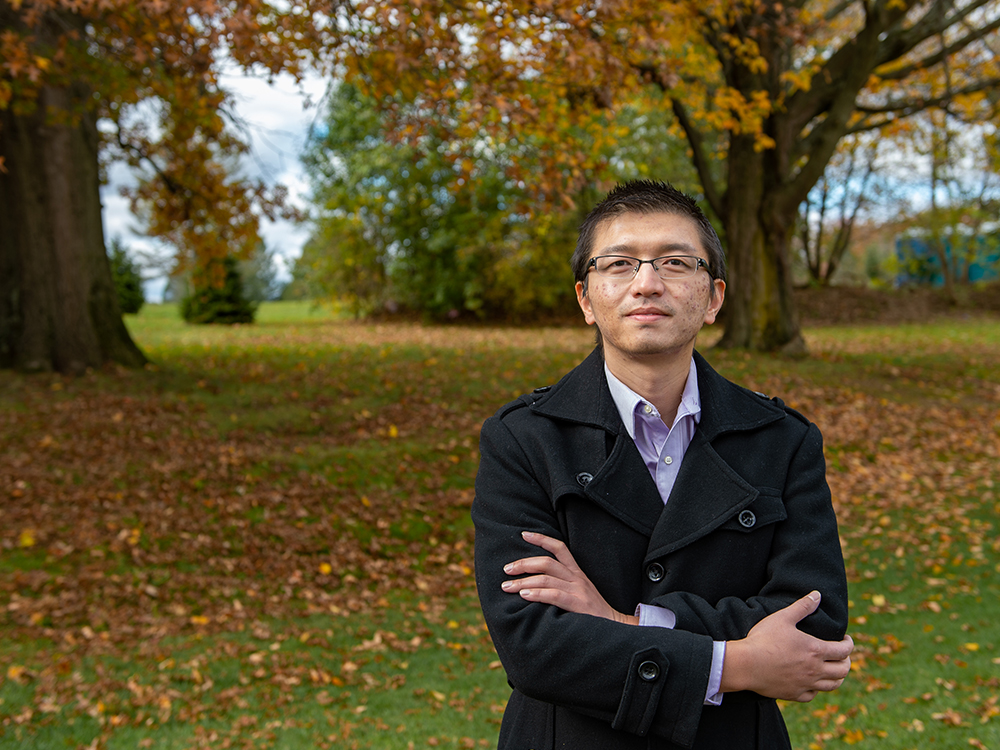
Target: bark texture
x=58 y=306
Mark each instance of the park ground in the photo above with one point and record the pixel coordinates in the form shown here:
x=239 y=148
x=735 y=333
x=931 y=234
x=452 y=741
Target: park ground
x=262 y=539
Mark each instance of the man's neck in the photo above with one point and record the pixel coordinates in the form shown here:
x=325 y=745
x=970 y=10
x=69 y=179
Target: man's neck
x=658 y=379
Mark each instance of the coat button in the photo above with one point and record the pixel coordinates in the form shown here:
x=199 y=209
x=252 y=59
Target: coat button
x=654 y=573
x=584 y=478
x=649 y=671
x=747 y=519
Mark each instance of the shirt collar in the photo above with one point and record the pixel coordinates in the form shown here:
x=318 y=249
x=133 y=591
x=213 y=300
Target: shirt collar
x=627 y=400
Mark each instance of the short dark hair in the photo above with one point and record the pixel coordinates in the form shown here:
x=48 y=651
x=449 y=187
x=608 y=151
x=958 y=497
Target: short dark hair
x=647 y=197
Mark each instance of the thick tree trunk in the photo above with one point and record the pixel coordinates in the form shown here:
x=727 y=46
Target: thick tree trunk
x=58 y=306
x=760 y=310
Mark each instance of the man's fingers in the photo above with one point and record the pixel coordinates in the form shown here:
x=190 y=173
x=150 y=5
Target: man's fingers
x=842 y=651
x=534 y=565
x=800 y=609
x=551 y=544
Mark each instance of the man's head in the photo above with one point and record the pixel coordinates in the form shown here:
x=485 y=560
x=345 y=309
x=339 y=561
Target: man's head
x=657 y=220
x=646 y=197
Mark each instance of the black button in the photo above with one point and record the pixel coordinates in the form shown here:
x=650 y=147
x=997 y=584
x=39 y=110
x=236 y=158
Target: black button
x=747 y=519
x=584 y=478
x=654 y=572
x=649 y=671
x=543 y=389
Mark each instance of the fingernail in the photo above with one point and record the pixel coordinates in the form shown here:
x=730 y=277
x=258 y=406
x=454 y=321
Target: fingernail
x=506 y=585
x=814 y=595
x=525 y=593
x=526 y=534
x=508 y=567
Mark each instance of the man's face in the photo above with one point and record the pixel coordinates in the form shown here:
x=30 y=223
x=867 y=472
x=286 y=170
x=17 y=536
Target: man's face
x=646 y=315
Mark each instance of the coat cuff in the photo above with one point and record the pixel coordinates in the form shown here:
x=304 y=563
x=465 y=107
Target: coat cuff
x=647 y=674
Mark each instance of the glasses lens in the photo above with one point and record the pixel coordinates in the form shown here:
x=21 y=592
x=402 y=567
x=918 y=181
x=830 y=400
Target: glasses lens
x=615 y=266
x=677 y=266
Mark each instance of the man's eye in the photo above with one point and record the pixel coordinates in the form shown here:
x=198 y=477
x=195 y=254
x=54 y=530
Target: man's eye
x=620 y=263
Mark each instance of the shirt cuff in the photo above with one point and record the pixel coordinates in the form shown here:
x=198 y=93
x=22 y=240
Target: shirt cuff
x=713 y=696
x=655 y=617
x=661 y=617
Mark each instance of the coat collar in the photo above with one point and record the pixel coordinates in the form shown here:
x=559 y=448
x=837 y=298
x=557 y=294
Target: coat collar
x=707 y=491
x=583 y=397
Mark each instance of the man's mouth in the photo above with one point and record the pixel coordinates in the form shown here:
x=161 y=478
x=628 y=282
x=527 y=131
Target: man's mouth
x=647 y=314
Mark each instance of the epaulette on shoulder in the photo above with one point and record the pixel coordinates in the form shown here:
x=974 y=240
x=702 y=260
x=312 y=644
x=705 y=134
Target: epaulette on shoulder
x=527 y=399
x=783 y=406
x=789 y=410
x=513 y=406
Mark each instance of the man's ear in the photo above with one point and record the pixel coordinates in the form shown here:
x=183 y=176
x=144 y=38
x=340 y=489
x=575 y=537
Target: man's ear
x=584 y=301
x=715 y=302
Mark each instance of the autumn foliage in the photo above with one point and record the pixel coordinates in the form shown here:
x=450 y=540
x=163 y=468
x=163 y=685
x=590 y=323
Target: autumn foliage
x=264 y=536
x=170 y=57
x=762 y=92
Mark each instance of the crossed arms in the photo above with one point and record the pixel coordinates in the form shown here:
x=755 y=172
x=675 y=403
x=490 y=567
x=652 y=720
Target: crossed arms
x=775 y=659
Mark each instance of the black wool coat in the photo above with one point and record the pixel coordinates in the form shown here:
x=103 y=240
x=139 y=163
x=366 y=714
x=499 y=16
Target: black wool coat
x=748 y=529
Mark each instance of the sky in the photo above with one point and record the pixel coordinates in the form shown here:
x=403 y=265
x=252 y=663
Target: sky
x=278 y=122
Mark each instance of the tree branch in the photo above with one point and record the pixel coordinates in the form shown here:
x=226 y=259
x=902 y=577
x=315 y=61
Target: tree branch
x=699 y=157
x=935 y=21
x=907 y=107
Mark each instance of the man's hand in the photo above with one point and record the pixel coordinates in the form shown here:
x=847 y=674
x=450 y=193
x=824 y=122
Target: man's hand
x=778 y=660
x=558 y=581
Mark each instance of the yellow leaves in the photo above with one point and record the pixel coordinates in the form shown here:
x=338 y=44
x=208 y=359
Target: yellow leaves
x=325 y=568
x=797 y=80
x=18 y=674
x=951 y=717
x=854 y=736
x=26 y=538
x=734 y=112
x=393 y=431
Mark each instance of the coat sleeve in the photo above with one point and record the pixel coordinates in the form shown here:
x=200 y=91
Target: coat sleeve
x=805 y=555
x=639 y=680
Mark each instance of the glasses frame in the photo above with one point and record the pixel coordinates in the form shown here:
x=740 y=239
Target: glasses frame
x=699 y=263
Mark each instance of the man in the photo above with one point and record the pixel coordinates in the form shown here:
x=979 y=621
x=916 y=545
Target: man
x=694 y=571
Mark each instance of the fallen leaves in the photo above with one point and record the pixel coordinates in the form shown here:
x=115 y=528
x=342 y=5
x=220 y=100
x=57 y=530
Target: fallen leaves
x=153 y=517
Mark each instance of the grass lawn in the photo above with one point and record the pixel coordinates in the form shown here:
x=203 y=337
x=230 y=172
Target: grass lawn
x=262 y=539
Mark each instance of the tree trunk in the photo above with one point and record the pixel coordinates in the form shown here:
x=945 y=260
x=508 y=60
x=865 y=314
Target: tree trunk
x=760 y=311
x=58 y=305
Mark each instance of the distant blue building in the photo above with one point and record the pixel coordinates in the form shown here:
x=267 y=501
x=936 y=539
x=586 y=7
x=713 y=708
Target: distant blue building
x=920 y=265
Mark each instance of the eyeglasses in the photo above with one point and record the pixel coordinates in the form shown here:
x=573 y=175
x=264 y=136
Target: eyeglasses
x=668 y=268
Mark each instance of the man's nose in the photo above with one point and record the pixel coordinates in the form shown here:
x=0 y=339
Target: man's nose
x=646 y=280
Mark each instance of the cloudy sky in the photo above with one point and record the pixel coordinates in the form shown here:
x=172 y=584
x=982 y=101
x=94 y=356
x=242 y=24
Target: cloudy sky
x=278 y=121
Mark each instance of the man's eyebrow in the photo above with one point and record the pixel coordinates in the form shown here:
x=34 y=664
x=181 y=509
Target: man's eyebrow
x=670 y=248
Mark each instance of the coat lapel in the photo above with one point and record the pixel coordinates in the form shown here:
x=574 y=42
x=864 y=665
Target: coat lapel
x=624 y=488
x=706 y=494
x=707 y=491
x=622 y=485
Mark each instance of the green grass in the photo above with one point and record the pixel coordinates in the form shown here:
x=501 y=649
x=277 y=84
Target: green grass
x=262 y=539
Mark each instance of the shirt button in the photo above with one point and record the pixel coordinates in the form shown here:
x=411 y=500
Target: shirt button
x=668 y=460
x=649 y=671
x=654 y=572
x=648 y=409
